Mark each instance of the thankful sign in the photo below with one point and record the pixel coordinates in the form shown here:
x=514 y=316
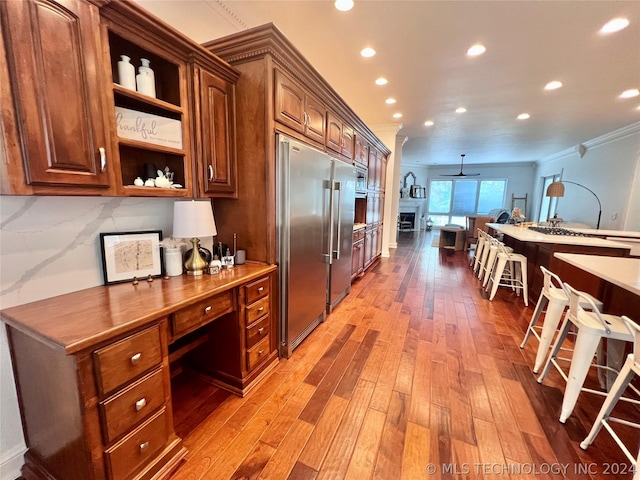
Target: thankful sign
x=149 y=128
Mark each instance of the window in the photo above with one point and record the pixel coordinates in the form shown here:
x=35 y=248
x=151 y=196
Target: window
x=451 y=200
x=548 y=205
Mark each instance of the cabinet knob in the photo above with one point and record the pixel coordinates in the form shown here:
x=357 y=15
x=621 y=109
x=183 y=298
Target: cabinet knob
x=103 y=158
x=207 y=309
x=135 y=359
x=260 y=352
x=260 y=330
x=260 y=289
x=144 y=446
x=140 y=404
x=210 y=168
x=260 y=309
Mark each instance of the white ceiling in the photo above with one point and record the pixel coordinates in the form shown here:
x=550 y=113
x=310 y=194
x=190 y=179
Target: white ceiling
x=421 y=49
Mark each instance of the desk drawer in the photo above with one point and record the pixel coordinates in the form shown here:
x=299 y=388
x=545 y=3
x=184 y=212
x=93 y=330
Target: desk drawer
x=258 y=331
x=130 y=406
x=141 y=446
x=122 y=361
x=257 y=310
x=256 y=290
x=190 y=318
x=258 y=353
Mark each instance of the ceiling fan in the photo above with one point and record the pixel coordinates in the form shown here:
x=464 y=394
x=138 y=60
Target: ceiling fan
x=461 y=174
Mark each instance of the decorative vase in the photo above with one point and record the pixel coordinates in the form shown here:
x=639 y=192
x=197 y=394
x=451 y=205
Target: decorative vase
x=173 y=261
x=126 y=73
x=145 y=80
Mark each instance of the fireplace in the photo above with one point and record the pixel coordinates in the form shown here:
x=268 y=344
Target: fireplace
x=409 y=217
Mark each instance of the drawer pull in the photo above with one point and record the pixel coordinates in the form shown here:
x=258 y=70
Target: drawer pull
x=260 y=309
x=260 y=330
x=136 y=358
x=260 y=352
x=207 y=309
x=260 y=289
x=140 y=404
x=144 y=446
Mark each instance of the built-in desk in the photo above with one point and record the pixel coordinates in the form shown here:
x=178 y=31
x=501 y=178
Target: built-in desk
x=93 y=367
x=539 y=248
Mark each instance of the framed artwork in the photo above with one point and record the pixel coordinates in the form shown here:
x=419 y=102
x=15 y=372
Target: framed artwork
x=126 y=255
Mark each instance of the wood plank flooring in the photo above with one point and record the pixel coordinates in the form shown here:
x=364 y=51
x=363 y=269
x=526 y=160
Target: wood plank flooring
x=414 y=376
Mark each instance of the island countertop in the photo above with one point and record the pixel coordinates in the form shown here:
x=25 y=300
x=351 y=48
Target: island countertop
x=524 y=234
x=621 y=271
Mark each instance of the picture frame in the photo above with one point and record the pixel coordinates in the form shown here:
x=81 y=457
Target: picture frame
x=126 y=255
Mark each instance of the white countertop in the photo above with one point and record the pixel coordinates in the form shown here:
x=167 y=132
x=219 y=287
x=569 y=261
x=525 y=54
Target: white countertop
x=525 y=235
x=358 y=226
x=606 y=233
x=621 y=271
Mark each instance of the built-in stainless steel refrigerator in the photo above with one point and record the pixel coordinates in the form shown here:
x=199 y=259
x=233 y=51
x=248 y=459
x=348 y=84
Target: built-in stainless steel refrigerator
x=316 y=203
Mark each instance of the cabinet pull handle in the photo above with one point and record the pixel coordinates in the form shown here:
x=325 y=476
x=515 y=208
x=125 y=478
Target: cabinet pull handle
x=144 y=446
x=210 y=168
x=260 y=309
x=103 y=159
x=207 y=309
x=260 y=330
x=140 y=404
x=260 y=290
x=135 y=359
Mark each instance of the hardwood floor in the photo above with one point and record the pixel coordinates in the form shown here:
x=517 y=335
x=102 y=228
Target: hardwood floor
x=414 y=376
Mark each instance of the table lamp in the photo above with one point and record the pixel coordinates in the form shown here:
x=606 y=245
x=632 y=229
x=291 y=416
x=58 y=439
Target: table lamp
x=194 y=219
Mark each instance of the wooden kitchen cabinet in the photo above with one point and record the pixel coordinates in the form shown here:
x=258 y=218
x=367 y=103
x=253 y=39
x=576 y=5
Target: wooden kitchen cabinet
x=95 y=396
x=298 y=109
x=54 y=59
x=340 y=137
x=357 y=254
x=361 y=150
x=214 y=118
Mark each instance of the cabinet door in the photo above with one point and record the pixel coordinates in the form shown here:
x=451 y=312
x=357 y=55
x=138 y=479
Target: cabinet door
x=53 y=52
x=315 y=119
x=369 y=248
x=289 y=102
x=334 y=133
x=361 y=152
x=383 y=174
x=371 y=178
x=218 y=163
x=348 y=139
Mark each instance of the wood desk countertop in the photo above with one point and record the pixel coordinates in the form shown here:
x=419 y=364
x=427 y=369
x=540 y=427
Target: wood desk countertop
x=621 y=271
x=79 y=320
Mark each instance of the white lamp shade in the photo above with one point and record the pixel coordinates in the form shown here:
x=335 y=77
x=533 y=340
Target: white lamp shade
x=193 y=219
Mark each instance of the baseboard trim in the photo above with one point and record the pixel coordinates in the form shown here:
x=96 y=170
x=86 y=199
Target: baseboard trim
x=11 y=463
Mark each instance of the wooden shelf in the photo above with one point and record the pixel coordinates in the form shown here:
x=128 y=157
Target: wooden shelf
x=135 y=191
x=125 y=92
x=150 y=146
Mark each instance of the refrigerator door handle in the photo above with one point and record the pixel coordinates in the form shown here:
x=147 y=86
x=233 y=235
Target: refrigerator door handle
x=327 y=257
x=337 y=187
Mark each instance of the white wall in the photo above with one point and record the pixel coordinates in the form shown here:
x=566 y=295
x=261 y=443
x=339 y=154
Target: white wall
x=49 y=246
x=609 y=168
x=520 y=178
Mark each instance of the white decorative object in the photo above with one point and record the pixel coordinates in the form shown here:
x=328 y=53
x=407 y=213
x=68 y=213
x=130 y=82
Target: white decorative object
x=126 y=73
x=149 y=128
x=150 y=182
x=173 y=261
x=145 y=80
x=138 y=182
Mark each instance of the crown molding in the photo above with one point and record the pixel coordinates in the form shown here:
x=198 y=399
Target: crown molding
x=222 y=9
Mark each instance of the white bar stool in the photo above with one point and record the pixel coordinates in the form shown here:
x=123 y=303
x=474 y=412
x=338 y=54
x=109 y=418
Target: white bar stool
x=489 y=261
x=516 y=269
x=592 y=327
x=555 y=300
x=480 y=244
x=630 y=368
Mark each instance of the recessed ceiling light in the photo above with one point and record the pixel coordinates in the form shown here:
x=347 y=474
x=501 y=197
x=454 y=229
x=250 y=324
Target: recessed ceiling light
x=615 y=25
x=428 y=123
x=397 y=115
x=476 y=49
x=381 y=81
x=633 y=92
x=390 y=101
x=461 y=110
x=367 y=52
x=553 y=85
x=523 y=116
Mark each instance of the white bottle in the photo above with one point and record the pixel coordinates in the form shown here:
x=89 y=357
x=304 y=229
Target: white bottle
x=145 y=79
x=173 y=261
x=126 y=73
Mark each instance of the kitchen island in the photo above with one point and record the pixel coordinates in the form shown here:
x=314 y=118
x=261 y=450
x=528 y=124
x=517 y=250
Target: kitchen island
x=539 y=248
